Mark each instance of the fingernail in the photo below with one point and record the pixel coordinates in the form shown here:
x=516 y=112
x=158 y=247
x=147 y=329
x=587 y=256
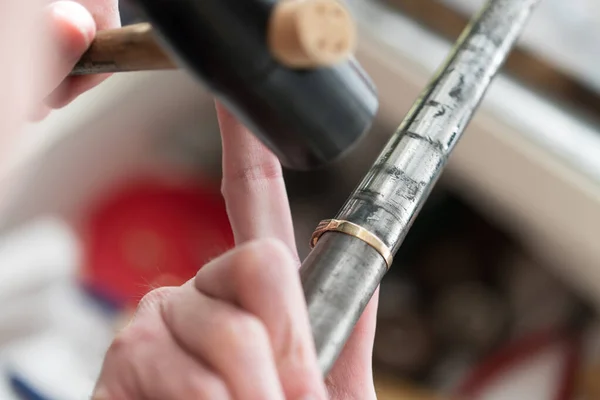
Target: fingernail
x=75 y=15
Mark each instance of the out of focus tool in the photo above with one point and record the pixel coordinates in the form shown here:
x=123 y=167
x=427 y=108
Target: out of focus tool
x=352 y=253
x=284 y=68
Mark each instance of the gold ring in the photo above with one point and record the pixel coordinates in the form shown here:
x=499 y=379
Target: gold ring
x=352 y=229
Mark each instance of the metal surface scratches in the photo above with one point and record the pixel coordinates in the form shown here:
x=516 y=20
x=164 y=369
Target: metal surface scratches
x=395 y=189
x=457 y=91
x=341 y=273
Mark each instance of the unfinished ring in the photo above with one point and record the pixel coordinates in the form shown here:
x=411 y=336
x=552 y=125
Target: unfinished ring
x=352 y=229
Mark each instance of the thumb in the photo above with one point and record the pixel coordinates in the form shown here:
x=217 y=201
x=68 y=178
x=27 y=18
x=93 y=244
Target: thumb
x=352 y=375
x=70 y=30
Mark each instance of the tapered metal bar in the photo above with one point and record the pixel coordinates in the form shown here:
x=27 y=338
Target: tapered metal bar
x=342 y=272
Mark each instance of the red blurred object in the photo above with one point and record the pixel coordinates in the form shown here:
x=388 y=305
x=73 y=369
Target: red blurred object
x=521 y=351
x=149 y=235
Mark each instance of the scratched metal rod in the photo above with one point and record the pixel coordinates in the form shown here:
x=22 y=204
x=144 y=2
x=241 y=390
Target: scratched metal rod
x=342 y=272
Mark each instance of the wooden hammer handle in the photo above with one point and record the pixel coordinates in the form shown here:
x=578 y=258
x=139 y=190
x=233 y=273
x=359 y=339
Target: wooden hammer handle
x=301 y=34
x=131 y=48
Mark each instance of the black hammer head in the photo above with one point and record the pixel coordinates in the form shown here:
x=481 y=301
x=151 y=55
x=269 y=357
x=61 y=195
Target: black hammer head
x=307 y=115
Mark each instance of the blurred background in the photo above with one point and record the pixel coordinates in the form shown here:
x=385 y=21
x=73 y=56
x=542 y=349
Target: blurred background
x=492 y=296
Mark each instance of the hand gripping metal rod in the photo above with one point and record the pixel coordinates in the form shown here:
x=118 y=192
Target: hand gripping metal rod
x=347 y=263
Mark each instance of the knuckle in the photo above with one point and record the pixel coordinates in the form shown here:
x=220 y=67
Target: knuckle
x=130 y=360
x=121 y=351
x=243 y=331
x=170 y=310
x=291 y=347
x=138 y=335
x=155 y=298
x=250 y=268
x=264 y=258
x=275 y=250
x=206 y=388
x=266 y=170
x=253 y=328
x=336 y=391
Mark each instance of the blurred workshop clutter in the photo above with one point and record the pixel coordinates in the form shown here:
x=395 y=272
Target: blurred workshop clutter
x=465 y=309
x=493 y=294
x=137 y=237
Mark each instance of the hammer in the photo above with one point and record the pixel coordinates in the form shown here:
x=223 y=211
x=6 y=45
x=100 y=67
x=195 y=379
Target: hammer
x=283 y=68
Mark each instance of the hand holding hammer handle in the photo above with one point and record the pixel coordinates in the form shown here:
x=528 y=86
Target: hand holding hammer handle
x=277 y=63
x=300 y=34
x=132 y=48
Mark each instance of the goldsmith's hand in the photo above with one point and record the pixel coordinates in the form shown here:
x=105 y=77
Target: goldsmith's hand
x=71 y=26
x=238 y=330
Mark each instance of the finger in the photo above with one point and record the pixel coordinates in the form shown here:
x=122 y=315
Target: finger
x=144 y=362
x=352 y=373
x=233 y=343
x=71 y=30
x=253 y=186
x=40 y=113
x=71 y=88
x=105 y=12
x=261 y=277
x=74 y=17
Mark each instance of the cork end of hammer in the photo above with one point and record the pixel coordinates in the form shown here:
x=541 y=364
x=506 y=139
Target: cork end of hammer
x=311 y=33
